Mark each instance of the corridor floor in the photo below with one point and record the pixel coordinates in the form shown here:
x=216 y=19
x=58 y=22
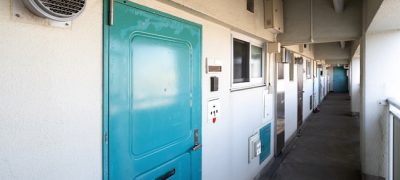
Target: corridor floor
x=326 y=149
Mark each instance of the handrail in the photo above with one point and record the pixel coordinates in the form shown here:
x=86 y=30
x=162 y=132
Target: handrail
x=394 y=102
x=394 y=117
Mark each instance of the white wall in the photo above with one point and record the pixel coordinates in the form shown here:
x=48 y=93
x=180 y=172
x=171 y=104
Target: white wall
x=232 y=13
x=51 y=97
x=308 y=91
x=51 y=86
x=290 y=103
x=330 y=81
x=355 y=85
x=380 y=81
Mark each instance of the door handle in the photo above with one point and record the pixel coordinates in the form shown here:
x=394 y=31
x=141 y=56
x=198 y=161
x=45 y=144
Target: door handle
x=196 y=146
x=167 y=175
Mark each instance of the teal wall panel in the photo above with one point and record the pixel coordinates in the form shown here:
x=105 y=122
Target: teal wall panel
x=265 y=137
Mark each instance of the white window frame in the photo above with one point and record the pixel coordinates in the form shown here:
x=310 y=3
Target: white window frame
x=253 y=82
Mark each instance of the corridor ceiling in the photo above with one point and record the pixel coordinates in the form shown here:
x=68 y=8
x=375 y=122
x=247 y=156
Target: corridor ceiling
x=324 y=23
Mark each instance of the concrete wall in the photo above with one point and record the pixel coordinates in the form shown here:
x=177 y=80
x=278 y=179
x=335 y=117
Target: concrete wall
x=290 y=103
x=51 y=97
x=331 y=51
x=52 y=93
x=355 y=85
x=316 y=21
x=232 y=13
x=379 y=81
x=308 y=91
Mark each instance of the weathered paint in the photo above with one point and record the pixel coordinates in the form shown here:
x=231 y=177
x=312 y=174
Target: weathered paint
x=154 y=90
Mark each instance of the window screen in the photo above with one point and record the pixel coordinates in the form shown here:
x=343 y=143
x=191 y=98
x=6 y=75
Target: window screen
x=240 y=61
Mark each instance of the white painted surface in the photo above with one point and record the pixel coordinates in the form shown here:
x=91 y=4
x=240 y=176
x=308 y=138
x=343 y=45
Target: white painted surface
x=231 y=13
x=51 y=117
x=326 y=24
x=51 y=97
x=355 y=85
x=290 y=103
x=308 y=91
x=379 y=82
x=331 y=51
x=386 y=17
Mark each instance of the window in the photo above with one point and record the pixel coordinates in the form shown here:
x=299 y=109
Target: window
x=240 y=61
x=256 y=62
x=247 y=63
x=250 y=5
x=308 y=69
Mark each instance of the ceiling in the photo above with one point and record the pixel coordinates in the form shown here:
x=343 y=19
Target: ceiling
x=387 y=18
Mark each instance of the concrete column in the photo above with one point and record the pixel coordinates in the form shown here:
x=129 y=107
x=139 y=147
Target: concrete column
x=355 y=85
x=379 y=80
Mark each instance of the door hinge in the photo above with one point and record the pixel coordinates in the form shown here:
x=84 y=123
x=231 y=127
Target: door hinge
x=106 y=138
x=111 y=13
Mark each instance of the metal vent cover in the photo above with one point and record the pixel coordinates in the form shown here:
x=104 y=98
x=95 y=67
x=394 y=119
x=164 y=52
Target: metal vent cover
x=58 y=10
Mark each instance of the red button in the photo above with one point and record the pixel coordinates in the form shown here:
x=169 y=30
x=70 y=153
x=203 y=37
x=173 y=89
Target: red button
x=214 y=120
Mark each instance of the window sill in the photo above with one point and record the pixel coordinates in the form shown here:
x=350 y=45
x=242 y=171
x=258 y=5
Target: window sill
x=241 y=88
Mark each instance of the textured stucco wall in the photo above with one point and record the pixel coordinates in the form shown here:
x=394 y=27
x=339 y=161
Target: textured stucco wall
x=232 y=13
x=355 y=85
x=50 y=97
x=316 y=21
x=380 y=79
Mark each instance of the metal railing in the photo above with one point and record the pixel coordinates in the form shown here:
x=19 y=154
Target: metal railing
x=394 y=139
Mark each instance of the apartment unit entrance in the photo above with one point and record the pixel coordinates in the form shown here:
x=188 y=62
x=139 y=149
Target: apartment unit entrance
x=152 y=95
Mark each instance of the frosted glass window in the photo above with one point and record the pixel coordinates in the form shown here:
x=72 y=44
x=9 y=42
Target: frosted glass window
x=256 y=62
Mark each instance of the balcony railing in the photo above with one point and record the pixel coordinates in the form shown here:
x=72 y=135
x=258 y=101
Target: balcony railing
x=394 y=140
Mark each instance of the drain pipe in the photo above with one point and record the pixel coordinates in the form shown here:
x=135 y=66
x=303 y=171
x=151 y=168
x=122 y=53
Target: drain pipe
x=342 y=44
x=311 y=22
x=338 y=5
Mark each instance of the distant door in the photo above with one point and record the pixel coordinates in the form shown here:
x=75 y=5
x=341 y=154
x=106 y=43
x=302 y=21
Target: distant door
x=154 y=95
x=340 y=80
x=300 y=94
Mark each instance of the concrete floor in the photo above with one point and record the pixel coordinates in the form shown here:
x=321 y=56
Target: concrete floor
x=327 y=147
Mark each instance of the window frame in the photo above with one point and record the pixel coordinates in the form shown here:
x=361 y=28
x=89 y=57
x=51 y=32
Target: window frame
x=253 y=82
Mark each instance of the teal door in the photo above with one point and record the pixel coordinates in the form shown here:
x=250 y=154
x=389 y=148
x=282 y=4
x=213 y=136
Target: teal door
x=340 y=82
x=154 y=91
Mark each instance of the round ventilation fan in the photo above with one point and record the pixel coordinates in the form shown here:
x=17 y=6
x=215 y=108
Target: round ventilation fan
x=58 y=10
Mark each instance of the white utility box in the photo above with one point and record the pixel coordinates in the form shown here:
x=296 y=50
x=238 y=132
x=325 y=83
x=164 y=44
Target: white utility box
x=213 y=110
x=254 y=146
x=273 y=15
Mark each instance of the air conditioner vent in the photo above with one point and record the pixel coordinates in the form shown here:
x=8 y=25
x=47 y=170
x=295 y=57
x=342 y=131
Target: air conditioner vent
x=58 y=10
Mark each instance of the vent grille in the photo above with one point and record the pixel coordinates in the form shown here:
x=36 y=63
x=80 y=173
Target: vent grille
x=59 y=10
x=64 y=7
